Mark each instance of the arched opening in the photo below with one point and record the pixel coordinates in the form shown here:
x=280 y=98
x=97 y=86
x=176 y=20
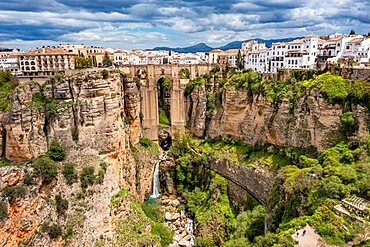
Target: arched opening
x=164 y=102
x=184 y=74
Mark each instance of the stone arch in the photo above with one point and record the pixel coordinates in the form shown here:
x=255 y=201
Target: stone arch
x=184 y=73
x=33 y=63
x=164 y=89
x=26 y=63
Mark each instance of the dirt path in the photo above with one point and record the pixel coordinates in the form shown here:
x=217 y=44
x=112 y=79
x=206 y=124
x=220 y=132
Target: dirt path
x=309 y=239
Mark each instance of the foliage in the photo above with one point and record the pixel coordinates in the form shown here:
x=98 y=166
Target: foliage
x=4 y=162
x=107 y=62
x=47 y=104
x=56 y=151
x=81 y=62
x=132 y=230
x=75 y=134
x=69 y=172
x=7 y=86
x=46 y=168
x=163 y=118
x=153 y=212
x=54 y=231
x=87 y=177
x=117 y=198
x=163 y=232
x=3 y=210
x=201 y=80
x=61 y=204
x=349 y=123
x=335 y=88
x=184 y=74
x=104 y=73
x=68 y=234
x=28 y=179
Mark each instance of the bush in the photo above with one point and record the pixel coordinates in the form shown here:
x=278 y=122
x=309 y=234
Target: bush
x=100 y=177
x=104 y=73
x=68 y=233
x=56 y=151
x=163 y=232
x=153 y=212
x=3 y=210
x=46 y=168
x=145 y=142
x=69 y=172
x=28 y=179
x=87 y=176
x=75 y=134
x=61 y=204
x=349 y=123
x=54 y=231
x=15 y=192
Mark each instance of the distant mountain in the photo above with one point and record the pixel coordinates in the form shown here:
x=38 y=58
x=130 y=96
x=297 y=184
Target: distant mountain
x=202 y=47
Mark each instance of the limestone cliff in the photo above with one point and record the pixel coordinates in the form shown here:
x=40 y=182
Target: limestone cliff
x=313 y=121
x=96 y=120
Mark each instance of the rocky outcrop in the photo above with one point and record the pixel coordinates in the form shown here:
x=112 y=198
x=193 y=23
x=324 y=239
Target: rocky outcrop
x=86 y=114
x=313 y=121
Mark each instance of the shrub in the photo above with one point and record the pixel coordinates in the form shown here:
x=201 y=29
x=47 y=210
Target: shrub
x=104 y=73
x=153 y=212
x=163 y=232
x=61 y=204
x=54 y=231
x=7 y=86
x=68 y=233
x=28 y=179
x=103 y=166
x=69 y=172
x=349 y=123
x=75 y=134
x=56 y=151
x=15 y=192
x=145 y=142
x=46 y=168
x=100 y=177
x=3 y=210
x=87 y=176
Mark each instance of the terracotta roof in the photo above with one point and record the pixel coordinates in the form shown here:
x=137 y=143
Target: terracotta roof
x=216 y=51
x=298 y=41
x=46 y=51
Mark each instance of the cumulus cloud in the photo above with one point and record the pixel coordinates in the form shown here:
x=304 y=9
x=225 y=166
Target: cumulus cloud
x=147 y=23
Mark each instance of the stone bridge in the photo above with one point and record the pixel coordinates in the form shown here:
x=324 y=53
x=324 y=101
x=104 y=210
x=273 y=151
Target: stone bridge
x=257 y=181
x=149 y=76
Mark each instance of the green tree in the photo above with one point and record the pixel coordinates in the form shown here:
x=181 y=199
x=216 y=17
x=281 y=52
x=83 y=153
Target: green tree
x=46 y=168
x=352 y=32
x=15 y=192
x=3 y=210
x=106 y=60
x=56 y=151
x=61 y=204
x=87 y=176
x=81 y=62
x=69 y=172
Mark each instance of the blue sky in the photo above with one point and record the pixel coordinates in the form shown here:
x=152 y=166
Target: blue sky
x=132 y=24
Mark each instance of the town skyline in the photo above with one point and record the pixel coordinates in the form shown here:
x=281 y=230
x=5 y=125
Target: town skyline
x=147 y=24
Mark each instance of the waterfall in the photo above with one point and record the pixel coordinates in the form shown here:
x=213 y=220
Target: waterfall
x=156 y=194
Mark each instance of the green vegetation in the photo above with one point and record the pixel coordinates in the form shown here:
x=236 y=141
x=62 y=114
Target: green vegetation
x=7 y=86
x=61 y=204
x=68 y=234
x=46 y=168
x=14 y=192
x=69 y=172
x=3 y=210
x=163 y=118
x=308 y=185
x=146 y=144
x=104 y=73
x=87 y=177
x=132 y=230
x=53 y=231
x=81 y=62
x=107 y=62
x=4 y=162
x=28 y=179
x=184 y=74
x=56 y=151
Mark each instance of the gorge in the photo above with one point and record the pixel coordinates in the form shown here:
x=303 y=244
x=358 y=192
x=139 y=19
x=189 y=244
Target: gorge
x=79 y=154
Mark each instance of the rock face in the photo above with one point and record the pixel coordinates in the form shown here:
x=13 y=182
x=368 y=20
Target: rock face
x=314 y=122
x=96 y=120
